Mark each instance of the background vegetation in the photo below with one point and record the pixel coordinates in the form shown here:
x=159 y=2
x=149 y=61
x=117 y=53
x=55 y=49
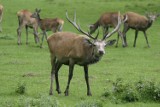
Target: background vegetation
x=25 y=70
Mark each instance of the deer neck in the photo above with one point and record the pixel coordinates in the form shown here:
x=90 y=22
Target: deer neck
x=39 y=20
x=91 y=58
x=96 y=24
x=149 y=23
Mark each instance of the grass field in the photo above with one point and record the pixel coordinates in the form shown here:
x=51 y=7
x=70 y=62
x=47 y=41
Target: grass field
x=131 y=64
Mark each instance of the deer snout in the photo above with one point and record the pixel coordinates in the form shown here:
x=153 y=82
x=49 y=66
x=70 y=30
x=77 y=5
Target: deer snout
x=101 y=52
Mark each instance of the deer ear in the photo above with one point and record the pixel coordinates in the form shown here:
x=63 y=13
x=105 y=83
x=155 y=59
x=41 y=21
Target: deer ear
x=110 y=42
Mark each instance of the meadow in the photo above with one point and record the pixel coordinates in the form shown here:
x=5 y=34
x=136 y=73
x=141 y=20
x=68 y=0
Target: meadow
x=29 y=66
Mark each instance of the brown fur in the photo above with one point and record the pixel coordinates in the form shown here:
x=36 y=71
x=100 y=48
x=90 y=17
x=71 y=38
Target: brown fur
x=48 y=24
x=26 y=21
x=138 y=23
x=1 y=15
x=108 y=20
x=67 y=46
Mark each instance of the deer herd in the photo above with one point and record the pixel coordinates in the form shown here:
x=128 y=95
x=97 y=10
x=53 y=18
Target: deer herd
x=68 y=48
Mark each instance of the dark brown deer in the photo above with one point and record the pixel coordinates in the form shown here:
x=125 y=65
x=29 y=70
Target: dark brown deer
x=70 y=49
x=138 y=23
x=1 y=15
x=106 y=21
x=25 y=20
x=47 y=24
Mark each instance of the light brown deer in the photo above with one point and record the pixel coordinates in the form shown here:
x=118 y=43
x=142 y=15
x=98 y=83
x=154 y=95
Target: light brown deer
x=25 y=20
x=70 y=49
x=1 y=15
x=138 y=23
x=106 y=21
x=47 y=24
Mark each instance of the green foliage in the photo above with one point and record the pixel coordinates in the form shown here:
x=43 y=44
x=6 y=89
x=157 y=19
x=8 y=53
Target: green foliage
x=41 y=101
x=89 y=104
x=21 y=88
x=148 y=90
x=130 y=92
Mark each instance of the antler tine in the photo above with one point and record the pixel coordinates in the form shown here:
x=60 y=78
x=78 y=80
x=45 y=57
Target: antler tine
x=97 y=34
x=126 y=18
x=77 y=26
x=116 y=29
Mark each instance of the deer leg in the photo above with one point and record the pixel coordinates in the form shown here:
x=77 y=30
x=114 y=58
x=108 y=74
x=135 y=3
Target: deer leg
x=0 y=27
x=122 y=38
x=117 y=40
x=125 y=29
x=145 y=35
x=19 y=35
x=87 y=81
x=52 y=75
x=136 y=34
x=26 y=35
x=58 y=66
x=44 y=34
x=71 y=67
x=105 y=30
x=36 y=37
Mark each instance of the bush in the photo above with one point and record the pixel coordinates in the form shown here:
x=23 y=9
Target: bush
x=131 y=92
x=148 y=90
x=21 y=88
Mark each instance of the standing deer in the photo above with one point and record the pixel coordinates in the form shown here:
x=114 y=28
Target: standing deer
x=138 y=23
x=47 y=24
x=70 y=49
x=25 y=20
x=1 y=15
x=106 y=21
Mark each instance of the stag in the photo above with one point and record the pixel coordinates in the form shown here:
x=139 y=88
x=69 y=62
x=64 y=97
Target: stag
x=106 y=21
x=25 y=20
x=138 y=23
x=70 y=49
x=47 y=24
x=1 y=15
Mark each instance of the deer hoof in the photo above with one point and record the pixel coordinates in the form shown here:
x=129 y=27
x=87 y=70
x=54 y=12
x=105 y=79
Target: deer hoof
x=50 y=93
x=89 y=94
x=66 y=93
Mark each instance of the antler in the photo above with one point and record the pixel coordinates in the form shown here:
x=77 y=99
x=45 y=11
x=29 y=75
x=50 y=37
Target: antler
x=116 y=29
x=77 y=26
x=126 y=18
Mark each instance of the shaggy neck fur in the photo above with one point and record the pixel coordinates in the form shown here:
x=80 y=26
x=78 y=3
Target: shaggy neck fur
x=91 y=57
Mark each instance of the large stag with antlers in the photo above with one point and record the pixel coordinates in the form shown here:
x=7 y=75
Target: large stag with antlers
x=47 y=24
x=25 y=20
x=138 y=23
x=1 y=15
x=71 y=49
x=106 y=21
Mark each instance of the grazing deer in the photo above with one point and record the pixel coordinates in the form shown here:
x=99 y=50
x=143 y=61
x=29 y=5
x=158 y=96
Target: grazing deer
x=70 y=49
x=47 y=24
x=25 y=20
x=138 y=23
x=1 y=15
x=107 y=20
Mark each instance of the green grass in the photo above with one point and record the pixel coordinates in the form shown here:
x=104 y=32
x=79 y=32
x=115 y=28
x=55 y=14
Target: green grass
x=130 y=64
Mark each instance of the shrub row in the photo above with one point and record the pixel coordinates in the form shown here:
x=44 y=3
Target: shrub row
x=132 y=92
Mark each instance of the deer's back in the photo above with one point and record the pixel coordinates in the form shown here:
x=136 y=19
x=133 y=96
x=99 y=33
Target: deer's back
x=136 y=20
x=110 y=19
x=25 y=16
x=65 y=45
